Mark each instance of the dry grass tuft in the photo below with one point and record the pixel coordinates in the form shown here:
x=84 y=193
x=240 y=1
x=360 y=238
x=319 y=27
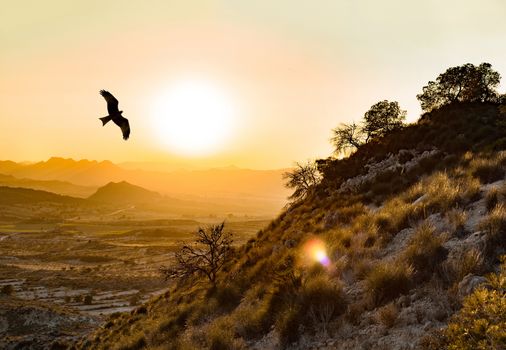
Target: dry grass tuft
x=487 y=169
x=425 y=251
x=388 y=280
x=495 y=227
x=387 y=315
x=457 y=219
x=468 y=261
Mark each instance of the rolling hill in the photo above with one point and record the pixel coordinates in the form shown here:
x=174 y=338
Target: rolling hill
x=16 y=195
x=124 y=193
x=59 y=187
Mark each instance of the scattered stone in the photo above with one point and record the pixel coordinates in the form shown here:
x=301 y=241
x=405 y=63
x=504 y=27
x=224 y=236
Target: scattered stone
x=469 y=284
x=392 y=163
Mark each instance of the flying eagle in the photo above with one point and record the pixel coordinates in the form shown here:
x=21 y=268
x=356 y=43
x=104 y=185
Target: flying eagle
x=115 y=114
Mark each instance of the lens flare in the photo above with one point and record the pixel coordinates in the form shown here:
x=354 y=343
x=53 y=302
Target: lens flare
x=315 y=250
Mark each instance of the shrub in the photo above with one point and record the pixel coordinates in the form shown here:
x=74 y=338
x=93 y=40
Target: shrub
x=252 y=320
x=220 y=335
x=388 y=280
x=355 y=311
x=228 y=296
x=425 y=251
x=88 y=299
x=481 y=323
x=487 y=170
x=134 y=299
x=347 y=214
x=492 y=198
x=393 y=217
x=443 y=192
x=387 y=315
x=469 y=261
x=7 y=290
x=315 y=304
x=457 y=219
x=323 y=300
x=132 y=343
x=288 y=324
x=495 y=227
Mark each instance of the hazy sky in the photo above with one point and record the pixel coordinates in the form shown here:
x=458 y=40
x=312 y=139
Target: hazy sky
x=292 y=70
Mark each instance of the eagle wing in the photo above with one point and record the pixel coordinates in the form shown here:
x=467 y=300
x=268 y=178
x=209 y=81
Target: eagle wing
x=125 y=127
x=112 y=102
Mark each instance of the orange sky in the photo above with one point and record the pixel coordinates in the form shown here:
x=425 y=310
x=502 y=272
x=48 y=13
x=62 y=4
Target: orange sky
x=294 y=69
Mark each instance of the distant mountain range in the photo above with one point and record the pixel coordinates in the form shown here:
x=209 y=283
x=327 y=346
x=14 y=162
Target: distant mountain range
x=124 y=193
x=60 y=187
x=90 y=174
x=231 y=189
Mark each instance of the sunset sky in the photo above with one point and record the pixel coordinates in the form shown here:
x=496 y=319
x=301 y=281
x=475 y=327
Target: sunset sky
x=265 y=80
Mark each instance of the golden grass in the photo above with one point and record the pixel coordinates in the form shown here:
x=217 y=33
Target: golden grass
x=388 y=280
x=425 y=251
x=387 y=315
x=468 y=261
x=494 y=224
x=489 y=169
x=457 y=219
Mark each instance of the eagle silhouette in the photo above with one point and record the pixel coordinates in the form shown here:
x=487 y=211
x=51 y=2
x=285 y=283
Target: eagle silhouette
x=115 y=114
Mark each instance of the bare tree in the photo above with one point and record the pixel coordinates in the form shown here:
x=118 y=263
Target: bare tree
x=205 y=256
x=347 y=137
x=302 y=179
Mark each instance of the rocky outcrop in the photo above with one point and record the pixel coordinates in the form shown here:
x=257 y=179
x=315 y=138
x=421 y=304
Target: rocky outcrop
x=403 y=162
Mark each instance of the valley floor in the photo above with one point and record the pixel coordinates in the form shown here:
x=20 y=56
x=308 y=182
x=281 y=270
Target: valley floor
x=60 y=280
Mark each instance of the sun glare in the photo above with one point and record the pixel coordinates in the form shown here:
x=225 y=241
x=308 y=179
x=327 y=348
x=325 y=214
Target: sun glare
x=194 y=117
x=315 y=251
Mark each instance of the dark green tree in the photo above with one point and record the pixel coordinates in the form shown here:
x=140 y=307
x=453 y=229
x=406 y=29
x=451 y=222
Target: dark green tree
x=466 y=83
x=382 y=118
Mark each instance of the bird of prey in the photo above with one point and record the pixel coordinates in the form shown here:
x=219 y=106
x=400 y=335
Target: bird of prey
x=115 y=114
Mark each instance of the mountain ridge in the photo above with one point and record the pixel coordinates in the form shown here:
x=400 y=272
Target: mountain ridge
x=264 y=183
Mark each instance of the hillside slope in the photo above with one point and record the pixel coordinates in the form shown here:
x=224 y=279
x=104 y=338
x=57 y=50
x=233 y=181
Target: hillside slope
x=381 y=255
x=15 y=195
x=59 y=187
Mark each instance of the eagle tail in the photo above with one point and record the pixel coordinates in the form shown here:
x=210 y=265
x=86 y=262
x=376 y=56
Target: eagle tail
x=105 y=120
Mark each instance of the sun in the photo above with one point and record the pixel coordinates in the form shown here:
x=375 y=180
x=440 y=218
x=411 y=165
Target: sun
x=194 y=117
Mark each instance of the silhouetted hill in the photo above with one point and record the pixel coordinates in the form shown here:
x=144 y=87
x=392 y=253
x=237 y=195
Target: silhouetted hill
x=83 y=172
x=15 y=195
x=123 y=192
x=59 y=187
x=222 y=182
